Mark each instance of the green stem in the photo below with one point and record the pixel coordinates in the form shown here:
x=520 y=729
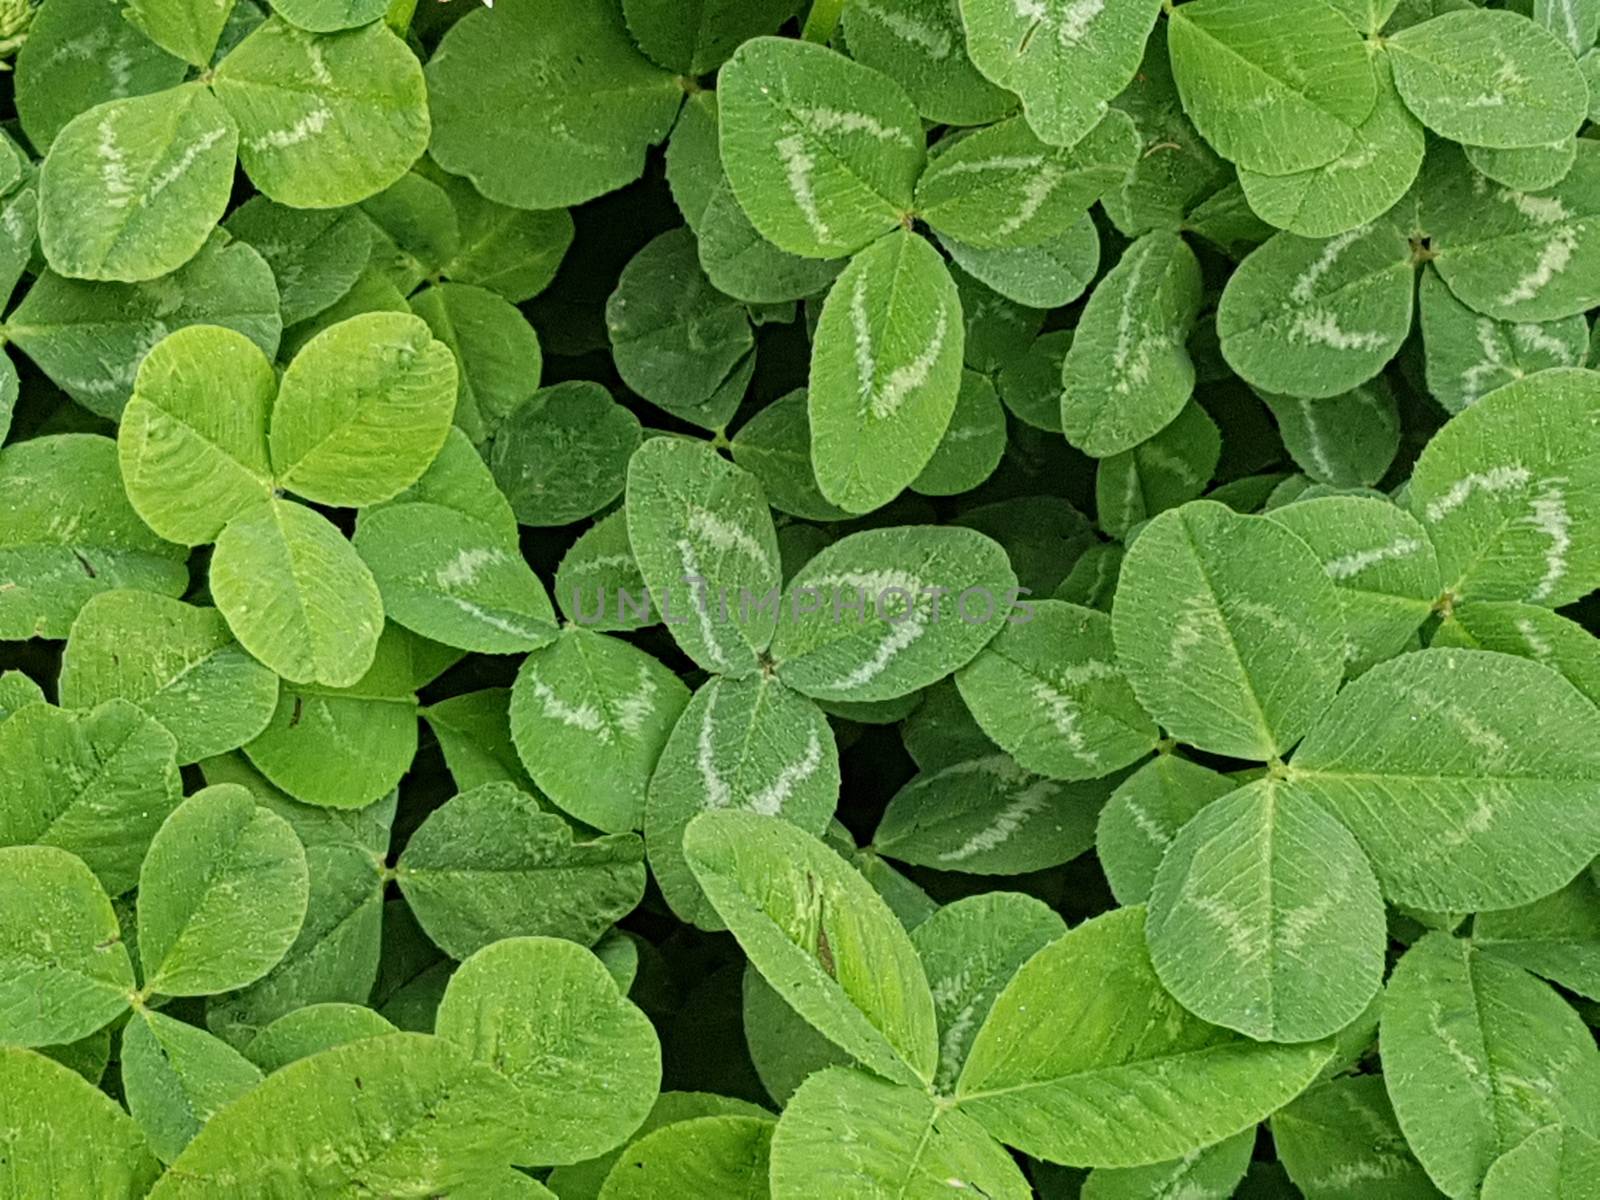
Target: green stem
x=823 y=20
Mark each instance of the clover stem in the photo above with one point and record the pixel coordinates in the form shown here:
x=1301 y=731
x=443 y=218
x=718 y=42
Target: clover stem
x=822 y=20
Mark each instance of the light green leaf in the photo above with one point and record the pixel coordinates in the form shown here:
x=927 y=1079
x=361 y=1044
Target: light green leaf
x=178 y=663
x=1490 y=78
x=885 y=371
x=1064 y=58
x=1002 y=187
x=193 y=438
x=821 y=937
x=973 y=443
x=1368 y=177
x=598 y=583
x=17 y=690
x=577 y=127
x=775 y=446
x=589 y=716
x=1265 y=917
x=1340 y=1141
x=697 y=38
x=315 y=255
x=67 y=533
x=1477 y=1055
x=1317 y=318
x=363 y=410
x=1557 y=937
x=296 y=595
x=498 y=359
x=1163 y=471
x=583 y=1059
x=97 y=783
x=701 y=532
x=1128 y=373
x=1382 y=565
x=1209 y=1174
x=1242 y=602
x=872 y=616
x=474 y=734
x=821 y=152
x=512 y=252
x=1277 y=86
x=403 y=1113
x=491 y=864
x=1557 y=1160
x=1344 y=441
x=345 y=747
x=131 y=189
x=1513 y=255
x=329 y=16
x=414 y=231
x=176 y=1077
x=455 y=579
x=1430 y=761
x=1532 y=169
x=312 y=1029
x=1527 y=631
x=1064 y=1065
x=748 y=744
x=721 y=1157
x=105 y=1154
x=1508 y=489
x=1470 y=355
x=324 y=121
x=922 y=45
x=845 y=1134
x=90 y=338
x=1575 y=22
x=64 y=971
x=222 y=895
x=1053 y=273
x=1143 y=817
x=563 y=454
x=1050 y=693
x=459 y=480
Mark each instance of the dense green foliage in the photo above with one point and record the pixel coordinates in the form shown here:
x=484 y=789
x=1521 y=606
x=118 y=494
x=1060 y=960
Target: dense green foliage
x=759 y=600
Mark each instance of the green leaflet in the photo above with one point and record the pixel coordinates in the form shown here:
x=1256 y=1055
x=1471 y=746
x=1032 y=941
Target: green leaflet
x=973 y=443
x=498 y=358
x=697 y=38
x=1065 y=58
x=329 y=16
x=67 y=533
x=885 y=371
x=922 y=45
x=872 y=616
x=846 y=1134
x=984 y=815
x=491 y=864
x=1528 y=631
x=1506 y=489
x=324 y=121
x=821 y=152
x=1209 y=1174
x=131 y=189
x=414 y=231
x=97 y=783
x=1275 y=87
x=1144 y=815
x=970 y=949
x=1003 y=187
x=701 y=1156
x=583 y=1060
x=192 y=443
x=296 y=595
x=1575 y=22
x=176 y=1077
x=821 y=937
x=592 y=108
x=346 y=747
x=1470 y=355
x=775 y=446
x=598 y=583
x=1050 y=693
x=589 y=716
x=562 y=455
x=702 y=536
x=1531 y=169
x=1128 y=373
x=746 y=744
x=1558 y=1159
x=1242 y=601
x=90 y=338
x=1489 y=79
x=1063 y=1078
x=222 y=895
x=474 y=734
x=512 y=252
x=1050 y=274
x=1163 y=471
x=362 y=410
x=105 y=1154
x=1463 y=1036
x=1513 y=255
x=410 y=1112
x=1426 y=759
x=78 y=977
x=313 y=1028
x=1265 y=917
x=1340 y=1141
x=1317 y=318
x=458 y=480
x=1557 y=937
x=1382 y=565
x=1345 y=441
